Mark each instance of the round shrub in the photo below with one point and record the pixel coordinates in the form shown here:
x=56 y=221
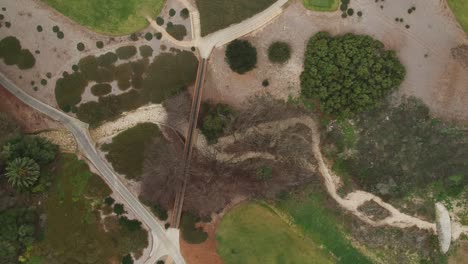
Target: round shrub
x=158 y=35
x=35 y=88
x=146 y=51
x=99 y=44
x=55 y=29
x=148 y=36
x=348 y=74
x=37 y=52
x=184 y=13
x=279 y=52
x=44 y=82
x=49 y=75
x=344 y=15
x=241 y=56
x=7 y=24
x=39 y=28
x=126 y=52
x=343 y=7
x=350 y=12
x=101 y=89
x=265 y=83
x=359 y=13
x=160 y=21
x=60 y=35
x=80 y=46
x=75 y=67
x=172 y=12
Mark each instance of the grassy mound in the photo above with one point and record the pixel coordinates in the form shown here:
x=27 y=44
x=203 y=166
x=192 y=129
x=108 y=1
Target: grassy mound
x=219 y=14
x=126 y=152
x=253 y=233
x=114 y=17
x=460 y=9
x=322 y=5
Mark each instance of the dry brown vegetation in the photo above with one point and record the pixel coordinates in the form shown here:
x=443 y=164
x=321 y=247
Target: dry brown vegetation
x=215 y=181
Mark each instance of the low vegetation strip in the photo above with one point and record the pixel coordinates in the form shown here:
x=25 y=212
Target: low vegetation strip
x=115 y=17
x=127 y=150
x=253 y=233
x=219 y=14
x=321 y=5
x=460 y=9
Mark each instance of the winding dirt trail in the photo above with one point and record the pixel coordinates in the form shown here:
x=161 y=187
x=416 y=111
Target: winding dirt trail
x=156 y=114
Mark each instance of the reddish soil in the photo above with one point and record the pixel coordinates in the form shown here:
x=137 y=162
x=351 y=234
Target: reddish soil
x=29 y=119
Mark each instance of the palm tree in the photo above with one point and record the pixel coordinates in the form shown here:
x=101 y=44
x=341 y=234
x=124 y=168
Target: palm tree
x=22 y=173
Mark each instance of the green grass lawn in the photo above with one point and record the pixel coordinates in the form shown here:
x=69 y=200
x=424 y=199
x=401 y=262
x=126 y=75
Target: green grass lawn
x=114 y=17
x=460 y=9
x=253 y=233
x=322 y=226
x=219 y=14
x=127 y=150
x=73 y=231
x=321 y=5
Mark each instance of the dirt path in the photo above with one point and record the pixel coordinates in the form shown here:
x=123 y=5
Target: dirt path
x=353 y=200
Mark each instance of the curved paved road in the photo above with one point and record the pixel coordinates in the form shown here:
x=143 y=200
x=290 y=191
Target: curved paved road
x=86 y=145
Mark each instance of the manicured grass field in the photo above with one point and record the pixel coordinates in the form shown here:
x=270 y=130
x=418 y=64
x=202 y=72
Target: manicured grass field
x=322 y=5
x=460 y=9
x=127 y=150
x=114 y=17
x=321 y=225
x=253 y=233
x=219 y=14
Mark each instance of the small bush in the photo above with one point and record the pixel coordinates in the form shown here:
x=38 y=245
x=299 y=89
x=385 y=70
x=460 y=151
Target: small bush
x=190 y=233
x=127 y=259
x=279 y=52
x=172 y=12
x=7 y=24
x=184 y=13
x=214 y=120
x=176 y=31
x=80 y=46
x=99 y=44
x=359 y=13
x=75 y=67
x=44 y=82
x=39 y=28
x=49 y=75
x=265 y=83
x=101 y=89
x=109 y=201
x=126 y=52
x=158 y=35
x=350 y=12
x=55 y=29
x=160 y=21
x=167 y=225
x=241 y=56
x=130 y=225
x=146 y=51
x=148 y=36
x=60 y=35
x=119 y=209
x=343 y=7
x=160 y=212
x=68 y=90
x=134 y=37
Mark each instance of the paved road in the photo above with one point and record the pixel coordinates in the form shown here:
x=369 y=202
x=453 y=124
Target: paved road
x=86 y=145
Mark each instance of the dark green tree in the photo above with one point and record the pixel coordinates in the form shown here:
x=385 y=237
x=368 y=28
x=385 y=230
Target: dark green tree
x=38 y=149
x=127 y=259
x=241 y=56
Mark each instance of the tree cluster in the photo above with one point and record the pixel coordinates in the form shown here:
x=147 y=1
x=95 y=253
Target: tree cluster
x=12 y=54
x=279 y=52
x=349 y=74
x=214 y=119
x=24 y=155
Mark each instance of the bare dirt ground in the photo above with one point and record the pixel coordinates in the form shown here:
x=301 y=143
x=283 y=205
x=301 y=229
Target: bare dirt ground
x=425 y=49
x=56 y=55
x=29 y=120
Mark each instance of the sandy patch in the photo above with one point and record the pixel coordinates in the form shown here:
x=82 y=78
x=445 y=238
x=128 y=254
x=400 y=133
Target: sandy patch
x=425 y=50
